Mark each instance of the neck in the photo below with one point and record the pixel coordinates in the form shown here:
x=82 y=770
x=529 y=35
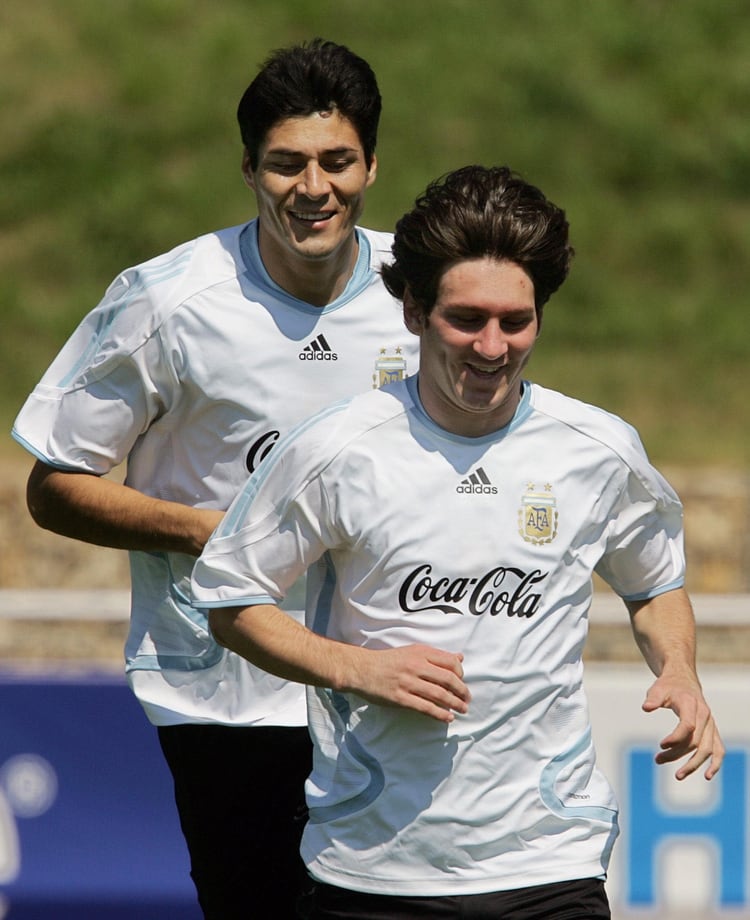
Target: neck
x=314 y=281
x=468 y=423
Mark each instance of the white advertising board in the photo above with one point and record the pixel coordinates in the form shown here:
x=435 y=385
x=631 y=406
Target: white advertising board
x=683 y=847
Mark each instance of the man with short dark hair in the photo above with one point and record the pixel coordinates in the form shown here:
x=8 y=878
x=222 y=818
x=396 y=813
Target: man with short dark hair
x=191 y=368
x=454 y=521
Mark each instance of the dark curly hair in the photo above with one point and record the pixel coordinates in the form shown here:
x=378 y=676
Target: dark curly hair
x=314 y=76
x=475 y=212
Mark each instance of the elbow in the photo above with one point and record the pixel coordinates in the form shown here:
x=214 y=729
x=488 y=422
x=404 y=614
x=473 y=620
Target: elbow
x=39 y=499
x=219 y=622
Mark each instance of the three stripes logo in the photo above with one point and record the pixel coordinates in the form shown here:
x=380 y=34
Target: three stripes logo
x=477 y=483
x=318 y=350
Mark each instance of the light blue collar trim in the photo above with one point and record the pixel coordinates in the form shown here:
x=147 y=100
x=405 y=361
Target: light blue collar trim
x=360 y=278
x=523 y=411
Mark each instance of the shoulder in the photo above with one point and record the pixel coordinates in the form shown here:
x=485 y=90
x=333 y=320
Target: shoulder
x=310 y=449
x=327 y=433
x=184 y=271
x=591 y=421
x=144 y=296
x=605 y=431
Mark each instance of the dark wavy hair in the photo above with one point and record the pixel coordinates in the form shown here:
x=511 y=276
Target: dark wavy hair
x=314 y=76
x=475 y=212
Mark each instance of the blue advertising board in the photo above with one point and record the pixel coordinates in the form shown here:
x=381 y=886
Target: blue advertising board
x=89 y=830
x=88 y=825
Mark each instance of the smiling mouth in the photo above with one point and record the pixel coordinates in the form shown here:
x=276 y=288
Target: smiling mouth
x=312 y=217
x=486 y=371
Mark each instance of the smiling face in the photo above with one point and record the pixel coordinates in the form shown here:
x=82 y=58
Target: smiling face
x=475 y=344
x=310 y=186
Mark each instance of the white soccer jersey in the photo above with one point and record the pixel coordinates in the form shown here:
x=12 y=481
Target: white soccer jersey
x=191 y=368
x=480 y=545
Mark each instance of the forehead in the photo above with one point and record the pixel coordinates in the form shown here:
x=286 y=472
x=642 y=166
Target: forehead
x=311 y=134
x=485 y=283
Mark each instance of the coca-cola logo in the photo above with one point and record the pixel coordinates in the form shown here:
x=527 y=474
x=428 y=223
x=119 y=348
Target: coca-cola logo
x=260 y=449
x=504 y=589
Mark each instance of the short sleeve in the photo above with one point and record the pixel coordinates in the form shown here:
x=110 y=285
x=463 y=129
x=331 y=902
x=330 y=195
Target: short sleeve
x=103 y=389
x=644 y=553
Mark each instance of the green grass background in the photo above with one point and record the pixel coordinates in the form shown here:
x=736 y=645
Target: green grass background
x=118 y=140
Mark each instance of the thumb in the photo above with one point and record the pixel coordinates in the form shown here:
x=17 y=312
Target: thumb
x=654 y=699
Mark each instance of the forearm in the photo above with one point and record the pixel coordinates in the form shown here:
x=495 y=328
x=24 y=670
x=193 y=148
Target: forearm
x=107 y=513
x=275 y=642
x=664 y=629
x=417 y=677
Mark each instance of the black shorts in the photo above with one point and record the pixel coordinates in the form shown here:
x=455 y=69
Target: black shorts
x=582 y=899
x=240 y=797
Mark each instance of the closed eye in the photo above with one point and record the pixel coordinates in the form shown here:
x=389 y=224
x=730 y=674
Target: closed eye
x=337 y=164
x=284 y=167
x=516 y=325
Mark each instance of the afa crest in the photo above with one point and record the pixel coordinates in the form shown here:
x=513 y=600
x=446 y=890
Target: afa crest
x=389 y=368
x=537 y=516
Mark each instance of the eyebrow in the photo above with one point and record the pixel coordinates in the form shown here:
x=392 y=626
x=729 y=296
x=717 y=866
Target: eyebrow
x=291 y=152
x=520 y=310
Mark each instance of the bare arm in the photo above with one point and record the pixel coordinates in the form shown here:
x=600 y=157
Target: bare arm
x=96 y=510
x=664 y=628
x=417 y=677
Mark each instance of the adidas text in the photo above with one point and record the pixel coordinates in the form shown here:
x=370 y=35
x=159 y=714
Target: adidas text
x=478 y=483
x=318 y=350
x=318 y=356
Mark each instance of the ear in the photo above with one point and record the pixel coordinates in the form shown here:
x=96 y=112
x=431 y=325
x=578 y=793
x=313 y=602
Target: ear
x=372 y=172
x=414 y=317
x=247 y=171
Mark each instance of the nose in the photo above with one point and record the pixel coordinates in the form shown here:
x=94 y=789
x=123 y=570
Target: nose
x=313 y=181
x=491 y=342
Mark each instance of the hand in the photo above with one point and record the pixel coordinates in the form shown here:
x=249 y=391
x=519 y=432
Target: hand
x=416 y=677
x=696 y=730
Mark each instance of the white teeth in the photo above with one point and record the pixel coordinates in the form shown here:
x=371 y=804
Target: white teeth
x=301 y=216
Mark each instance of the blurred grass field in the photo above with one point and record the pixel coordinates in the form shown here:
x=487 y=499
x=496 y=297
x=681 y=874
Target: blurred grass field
x=118 y=140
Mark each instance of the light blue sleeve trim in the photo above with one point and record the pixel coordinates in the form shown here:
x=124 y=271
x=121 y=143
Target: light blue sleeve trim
x=55 y=464
x=40 y=456
x=254 y=601
x=655 y=592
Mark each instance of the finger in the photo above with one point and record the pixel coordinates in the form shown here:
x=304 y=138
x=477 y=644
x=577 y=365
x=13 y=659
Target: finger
x=448 y=661
x=684 y=737
x=443 y=688
x=714 y=765
x=428 y=698
x=693 y=764
x=680 y=743
x=443 y=669
x=433 y=711
x=652 y=703
x=658 y=698
x=711 y=749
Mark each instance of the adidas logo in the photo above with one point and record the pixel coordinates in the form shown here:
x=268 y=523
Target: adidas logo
x=478 y=482
x=318 y=350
